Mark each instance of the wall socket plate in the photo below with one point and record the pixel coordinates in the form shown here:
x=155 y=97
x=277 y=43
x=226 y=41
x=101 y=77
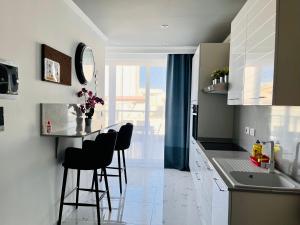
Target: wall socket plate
x=247 y=130
x=252 y=132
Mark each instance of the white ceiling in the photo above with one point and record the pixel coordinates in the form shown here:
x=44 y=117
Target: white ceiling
x=137 y=22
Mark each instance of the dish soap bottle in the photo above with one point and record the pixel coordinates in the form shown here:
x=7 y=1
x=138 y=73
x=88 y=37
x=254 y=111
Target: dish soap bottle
x=257 y=150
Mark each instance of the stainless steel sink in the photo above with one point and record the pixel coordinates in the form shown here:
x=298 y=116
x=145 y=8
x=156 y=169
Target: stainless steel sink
x=272 y=180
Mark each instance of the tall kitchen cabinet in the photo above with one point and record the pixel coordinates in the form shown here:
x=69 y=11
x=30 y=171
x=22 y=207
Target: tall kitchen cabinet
x=215 y=117
x=264 y=61
x=215 y=120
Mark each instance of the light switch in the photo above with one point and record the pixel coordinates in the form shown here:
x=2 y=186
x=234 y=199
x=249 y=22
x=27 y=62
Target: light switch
x=252 y=132
x=247 y=130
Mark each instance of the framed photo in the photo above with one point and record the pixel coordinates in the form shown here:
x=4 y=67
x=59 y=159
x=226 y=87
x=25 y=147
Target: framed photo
x=56 y=66
x=51 y=70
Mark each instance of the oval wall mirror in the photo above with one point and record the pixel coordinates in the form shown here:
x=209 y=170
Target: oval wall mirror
x=84 y=63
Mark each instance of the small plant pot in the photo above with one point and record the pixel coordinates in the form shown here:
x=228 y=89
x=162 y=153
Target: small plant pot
x=226 y=78
x=221 y=79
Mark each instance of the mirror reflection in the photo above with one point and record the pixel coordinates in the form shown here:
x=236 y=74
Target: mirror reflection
x=88 y=64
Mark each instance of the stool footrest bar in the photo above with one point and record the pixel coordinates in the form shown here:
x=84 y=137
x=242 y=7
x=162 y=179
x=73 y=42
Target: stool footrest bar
x=79 y=204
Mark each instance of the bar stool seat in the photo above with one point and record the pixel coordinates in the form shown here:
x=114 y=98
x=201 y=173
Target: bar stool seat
x=93 y=155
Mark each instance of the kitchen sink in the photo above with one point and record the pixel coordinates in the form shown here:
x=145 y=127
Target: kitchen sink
x=273 y=180
x=241 y=173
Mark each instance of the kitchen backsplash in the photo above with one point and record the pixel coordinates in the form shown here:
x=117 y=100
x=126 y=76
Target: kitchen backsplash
x=279 y=123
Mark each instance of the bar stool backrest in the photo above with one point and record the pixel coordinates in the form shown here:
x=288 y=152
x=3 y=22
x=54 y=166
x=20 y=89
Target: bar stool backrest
x=106 y=143
x=124 y=137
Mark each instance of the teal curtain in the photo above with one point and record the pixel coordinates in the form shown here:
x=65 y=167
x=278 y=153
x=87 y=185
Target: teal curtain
x=179 y=76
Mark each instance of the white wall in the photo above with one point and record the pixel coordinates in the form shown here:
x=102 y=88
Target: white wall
x=30 y=175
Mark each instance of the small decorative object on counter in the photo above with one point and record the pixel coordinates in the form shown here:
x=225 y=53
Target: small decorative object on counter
x=49 y=127
x=257 y=156
x=90 y=101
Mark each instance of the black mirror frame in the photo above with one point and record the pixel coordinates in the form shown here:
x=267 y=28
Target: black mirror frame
x=78 y=63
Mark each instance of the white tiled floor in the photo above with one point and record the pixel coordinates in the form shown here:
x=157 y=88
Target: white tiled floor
x=153 y=196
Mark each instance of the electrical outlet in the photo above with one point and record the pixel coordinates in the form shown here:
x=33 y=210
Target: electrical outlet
x=252 y=132
x=247 y=130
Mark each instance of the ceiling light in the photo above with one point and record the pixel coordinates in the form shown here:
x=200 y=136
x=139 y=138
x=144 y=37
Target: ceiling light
x=164 y=26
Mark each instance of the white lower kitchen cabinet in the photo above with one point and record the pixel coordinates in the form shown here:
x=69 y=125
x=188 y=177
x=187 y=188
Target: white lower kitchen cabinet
x=219 y=205
x=220 y=202
x=202 y=173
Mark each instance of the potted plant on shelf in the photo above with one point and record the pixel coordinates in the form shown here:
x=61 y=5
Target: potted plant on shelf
x=216 y=76
x=225 y=74
x=220 y=76
x=90 y=101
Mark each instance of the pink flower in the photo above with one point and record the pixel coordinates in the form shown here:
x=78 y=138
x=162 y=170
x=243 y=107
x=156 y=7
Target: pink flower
x=90 y=100
x=82 y=109
x=101 y=101
x=88 y=105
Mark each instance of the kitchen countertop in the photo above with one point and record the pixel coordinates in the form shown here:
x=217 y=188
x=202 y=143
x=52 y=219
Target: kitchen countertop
x=210 y=154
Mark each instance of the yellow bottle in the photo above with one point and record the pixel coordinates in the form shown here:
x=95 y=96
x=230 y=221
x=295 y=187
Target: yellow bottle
x=257 y=150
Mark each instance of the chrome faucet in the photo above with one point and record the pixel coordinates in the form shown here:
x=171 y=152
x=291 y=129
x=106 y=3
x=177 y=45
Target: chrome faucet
x=272 y=157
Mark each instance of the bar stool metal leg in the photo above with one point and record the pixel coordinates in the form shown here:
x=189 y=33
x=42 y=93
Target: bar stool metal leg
x=97 y=196
x=93 y=182
x=77 y=190
x=101 y=174
x=107 y=188
x=62 y=196
x=120 y=171
x=124 y=165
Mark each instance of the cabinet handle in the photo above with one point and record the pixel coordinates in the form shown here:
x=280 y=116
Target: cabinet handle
x=220 y=189
x=197 y=163
x=197 y=176
x=258 y=97
x=234 y=98
x=207 y=166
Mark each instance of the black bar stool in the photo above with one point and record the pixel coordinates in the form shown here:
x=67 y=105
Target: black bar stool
x=93 y=155
x=123 y=143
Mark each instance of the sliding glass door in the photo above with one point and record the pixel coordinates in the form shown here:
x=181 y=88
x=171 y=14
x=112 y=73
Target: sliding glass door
x=136 y=93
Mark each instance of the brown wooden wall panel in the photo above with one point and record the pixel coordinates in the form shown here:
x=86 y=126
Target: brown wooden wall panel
x=64 y=60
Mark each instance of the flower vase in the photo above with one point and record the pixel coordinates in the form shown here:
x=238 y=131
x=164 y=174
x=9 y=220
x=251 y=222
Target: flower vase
x=79 y=121
x=88 y=121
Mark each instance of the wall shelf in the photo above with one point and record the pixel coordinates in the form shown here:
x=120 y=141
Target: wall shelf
x=220 y=88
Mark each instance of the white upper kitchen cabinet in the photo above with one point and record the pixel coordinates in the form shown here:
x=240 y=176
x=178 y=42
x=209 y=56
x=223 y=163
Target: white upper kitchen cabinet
x=237 y=57
x=267 y=72
x=195 y=77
